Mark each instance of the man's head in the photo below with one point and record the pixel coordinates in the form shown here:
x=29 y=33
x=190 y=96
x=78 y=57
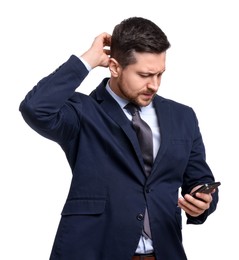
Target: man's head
x=136 y=34
x=137 y=62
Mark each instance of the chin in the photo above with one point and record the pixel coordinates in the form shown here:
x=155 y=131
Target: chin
x=144 y=103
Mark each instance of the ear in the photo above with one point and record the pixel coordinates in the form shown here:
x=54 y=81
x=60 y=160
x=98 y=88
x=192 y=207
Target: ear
x=114 y=67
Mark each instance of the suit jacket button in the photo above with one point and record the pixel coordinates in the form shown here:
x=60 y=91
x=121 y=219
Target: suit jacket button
x=140 y=216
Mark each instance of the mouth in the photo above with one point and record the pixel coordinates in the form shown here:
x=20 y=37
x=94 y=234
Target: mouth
x=148 y=95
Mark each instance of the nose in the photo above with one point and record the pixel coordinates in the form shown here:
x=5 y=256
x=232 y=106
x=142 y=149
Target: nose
x=154 y=83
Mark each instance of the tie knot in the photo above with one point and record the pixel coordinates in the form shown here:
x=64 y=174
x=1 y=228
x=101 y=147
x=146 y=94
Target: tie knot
x=132 y=108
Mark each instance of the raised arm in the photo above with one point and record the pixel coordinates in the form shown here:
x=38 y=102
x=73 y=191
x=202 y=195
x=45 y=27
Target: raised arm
x=47 y=107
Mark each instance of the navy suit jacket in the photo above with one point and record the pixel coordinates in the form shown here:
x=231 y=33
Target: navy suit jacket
x=102 y=218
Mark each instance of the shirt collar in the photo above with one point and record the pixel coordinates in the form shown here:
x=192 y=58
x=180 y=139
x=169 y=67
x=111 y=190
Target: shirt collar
x=121 y=101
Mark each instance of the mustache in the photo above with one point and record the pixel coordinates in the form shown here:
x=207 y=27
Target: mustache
x=149 y=92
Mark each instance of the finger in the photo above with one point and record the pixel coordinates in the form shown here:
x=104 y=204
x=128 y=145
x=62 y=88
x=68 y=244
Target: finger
x=189 y=208
x=191 y=205
x=107 y=51
x=205 y=197
x=106 y=38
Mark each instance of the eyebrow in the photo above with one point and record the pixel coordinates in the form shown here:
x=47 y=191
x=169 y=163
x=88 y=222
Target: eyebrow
x=151 y=73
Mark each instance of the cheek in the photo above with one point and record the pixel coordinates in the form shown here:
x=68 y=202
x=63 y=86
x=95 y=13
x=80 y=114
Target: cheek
x=130 y=88
x=134 y=83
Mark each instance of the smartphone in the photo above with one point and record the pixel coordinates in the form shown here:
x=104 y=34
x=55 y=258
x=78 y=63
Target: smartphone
x=206 y=188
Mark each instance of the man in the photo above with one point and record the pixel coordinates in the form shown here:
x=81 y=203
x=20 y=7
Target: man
x=121 y=205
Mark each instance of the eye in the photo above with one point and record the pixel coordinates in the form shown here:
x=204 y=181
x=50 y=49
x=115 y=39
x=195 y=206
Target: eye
x=144 y=75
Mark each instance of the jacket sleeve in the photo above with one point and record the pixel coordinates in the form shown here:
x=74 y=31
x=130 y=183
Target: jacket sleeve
x=45 y=107
x=198 y=172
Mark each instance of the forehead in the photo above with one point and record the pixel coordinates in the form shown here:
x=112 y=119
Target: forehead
x=150 y=62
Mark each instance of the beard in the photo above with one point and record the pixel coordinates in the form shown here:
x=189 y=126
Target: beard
x=139 y=98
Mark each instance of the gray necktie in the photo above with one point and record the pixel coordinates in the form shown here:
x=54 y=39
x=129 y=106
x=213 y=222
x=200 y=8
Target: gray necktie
x=145 y=138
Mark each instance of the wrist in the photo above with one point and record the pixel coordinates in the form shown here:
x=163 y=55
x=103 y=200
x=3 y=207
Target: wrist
x=86 y=63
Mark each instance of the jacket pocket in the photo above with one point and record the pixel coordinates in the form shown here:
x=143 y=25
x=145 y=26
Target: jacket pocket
x=84 y=207
x=180 y=141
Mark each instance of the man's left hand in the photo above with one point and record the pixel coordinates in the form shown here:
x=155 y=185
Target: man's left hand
x=195 y=206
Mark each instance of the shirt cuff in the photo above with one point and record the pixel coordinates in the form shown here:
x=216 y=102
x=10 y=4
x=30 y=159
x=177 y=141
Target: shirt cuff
x=87 y=65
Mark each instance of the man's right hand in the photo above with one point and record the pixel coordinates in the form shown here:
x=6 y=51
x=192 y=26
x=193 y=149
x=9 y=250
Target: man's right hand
x=98 y=55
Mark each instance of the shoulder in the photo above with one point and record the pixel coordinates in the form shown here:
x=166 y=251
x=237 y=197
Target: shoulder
x=172 y=103
x=174 y=109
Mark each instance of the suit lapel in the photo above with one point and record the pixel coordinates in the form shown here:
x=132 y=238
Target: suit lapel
x=112 y=108
x=163 y=112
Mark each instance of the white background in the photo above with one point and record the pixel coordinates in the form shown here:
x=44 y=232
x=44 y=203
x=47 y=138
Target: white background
x=202 y=71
